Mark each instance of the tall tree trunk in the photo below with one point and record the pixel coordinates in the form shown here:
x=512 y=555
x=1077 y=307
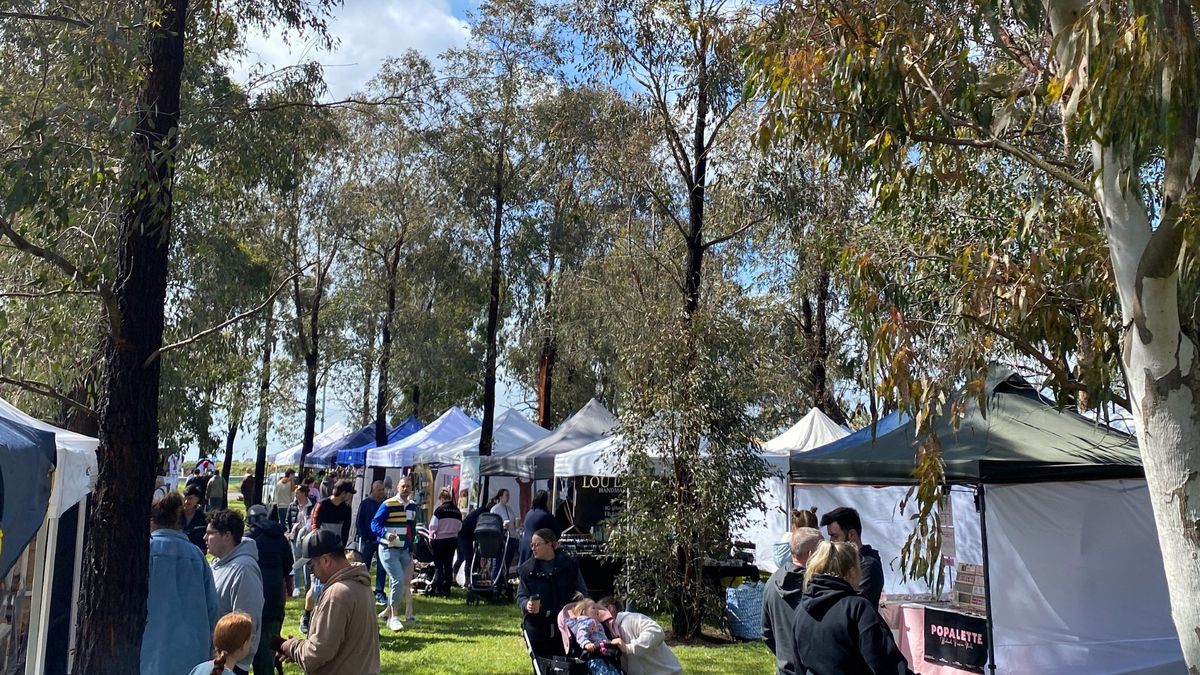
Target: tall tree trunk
x=415 y=398
x=493 y=320
x=235 y=422
x=117 y=557
x=816 y=333
x=312 y=353
x=264 y=404
x=549 y=352
x=384 y=396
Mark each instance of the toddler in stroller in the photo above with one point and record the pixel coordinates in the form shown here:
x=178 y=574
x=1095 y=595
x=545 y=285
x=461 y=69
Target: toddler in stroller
x=584 y=621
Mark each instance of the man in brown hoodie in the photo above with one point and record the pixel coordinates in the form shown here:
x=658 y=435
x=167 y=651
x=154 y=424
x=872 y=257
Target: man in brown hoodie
x=343 y=638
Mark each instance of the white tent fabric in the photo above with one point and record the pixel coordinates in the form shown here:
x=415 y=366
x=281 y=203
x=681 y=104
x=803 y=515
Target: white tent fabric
x=764 y=528
x=452 y=424
x=592 y=422
x=1077 y=580
x=321 y=441
x=511 y=430
x=76 y=467
x=598 y=458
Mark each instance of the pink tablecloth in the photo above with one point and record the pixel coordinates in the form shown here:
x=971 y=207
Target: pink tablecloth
x=908 y=625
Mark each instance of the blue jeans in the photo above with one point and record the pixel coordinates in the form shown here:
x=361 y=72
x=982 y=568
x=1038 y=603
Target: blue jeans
x=395 y=562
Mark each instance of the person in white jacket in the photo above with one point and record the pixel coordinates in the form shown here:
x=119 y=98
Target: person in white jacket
x=643 y=645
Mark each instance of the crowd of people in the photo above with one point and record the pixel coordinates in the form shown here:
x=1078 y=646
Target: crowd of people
x=821 y=607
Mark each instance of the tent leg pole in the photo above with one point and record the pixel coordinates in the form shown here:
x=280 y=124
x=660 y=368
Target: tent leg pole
x=484 y=497
x=987 y=580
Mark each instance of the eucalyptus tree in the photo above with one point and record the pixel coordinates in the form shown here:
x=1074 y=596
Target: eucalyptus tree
x=487 y=154
x=1099 y=99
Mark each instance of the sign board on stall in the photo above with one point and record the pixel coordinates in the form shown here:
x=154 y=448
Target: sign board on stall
x=968 y=590
x=596 y=498
x=956 y=640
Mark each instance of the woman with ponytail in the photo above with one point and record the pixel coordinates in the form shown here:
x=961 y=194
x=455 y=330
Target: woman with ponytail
x=836 y=630
x=231 y=644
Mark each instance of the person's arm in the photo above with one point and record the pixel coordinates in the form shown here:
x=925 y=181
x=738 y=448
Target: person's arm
x=248 y=598
x=644 y=635
x=363 y=520
x=872 y=582
x=315 y=523
x=377 y=523
x=522 y=594
x=325 y=637
x=210 y=597
x=877 y=646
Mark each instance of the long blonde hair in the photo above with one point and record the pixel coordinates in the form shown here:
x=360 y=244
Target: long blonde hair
x=835 y=559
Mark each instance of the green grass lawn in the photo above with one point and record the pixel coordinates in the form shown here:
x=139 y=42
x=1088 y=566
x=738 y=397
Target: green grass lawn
x=454 y=638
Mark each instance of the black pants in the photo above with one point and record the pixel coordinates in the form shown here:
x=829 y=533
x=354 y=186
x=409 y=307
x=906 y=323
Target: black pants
x=544 y=638
x=465 y=547
x=443 y=564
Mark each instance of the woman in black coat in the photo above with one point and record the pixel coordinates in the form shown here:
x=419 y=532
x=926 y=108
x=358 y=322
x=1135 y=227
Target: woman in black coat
x=548 y=582
x=539 y=517
x=837 y=631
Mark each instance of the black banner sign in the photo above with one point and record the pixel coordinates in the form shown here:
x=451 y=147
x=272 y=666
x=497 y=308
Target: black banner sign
x=596 y=498
x=956 y=640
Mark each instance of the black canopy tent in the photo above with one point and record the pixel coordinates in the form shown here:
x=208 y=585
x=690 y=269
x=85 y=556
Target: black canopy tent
x=1016 y=437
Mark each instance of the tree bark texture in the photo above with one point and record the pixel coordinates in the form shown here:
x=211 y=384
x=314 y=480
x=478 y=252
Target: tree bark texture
x=366 y=403
x=116 y=560
x=549 y=353
x=235 y=421
x=264 y=404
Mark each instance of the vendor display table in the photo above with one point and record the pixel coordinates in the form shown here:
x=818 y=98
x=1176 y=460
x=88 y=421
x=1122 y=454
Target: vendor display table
x=912 y=626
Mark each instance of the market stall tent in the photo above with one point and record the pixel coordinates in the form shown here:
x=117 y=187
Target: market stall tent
x=356 y=455
x=328 y=454
x=536 y=460
x=511 y=431
x=452 y=424
x=1054 y=505
x=764 y=528
x=321 y=441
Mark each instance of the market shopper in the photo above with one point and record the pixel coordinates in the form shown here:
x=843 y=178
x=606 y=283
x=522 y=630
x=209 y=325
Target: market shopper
x=782 y=550
x=537 y=518
x=275 y=564
x=782 y=596
x=191 y=517
x=181 y=605
x=509 y=515
x=644 y=648
x=284 y=488
x=216 y=493
x=368 y=541
x=332 y=514
x=443 y=531
x=844 y=524
x=231 y=641
x=395 y=525
x=466 y=542
x=343 y=638
x=236 y=574
x=836 y=631
x=548 y=581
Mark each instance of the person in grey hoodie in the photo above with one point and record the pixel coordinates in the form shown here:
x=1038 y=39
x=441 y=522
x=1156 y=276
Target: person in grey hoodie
x=781 y=597
x=236 y=573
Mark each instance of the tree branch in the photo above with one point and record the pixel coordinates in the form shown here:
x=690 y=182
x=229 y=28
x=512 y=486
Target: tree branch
x=45 y=17
x=43 y=389
x=724 y=238
x=217 y=328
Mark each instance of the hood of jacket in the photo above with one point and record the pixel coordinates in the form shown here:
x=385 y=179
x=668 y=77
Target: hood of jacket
x=789 y=581
x=267 y=528
x=824 y=592
x=246 y=551
x=355 y=573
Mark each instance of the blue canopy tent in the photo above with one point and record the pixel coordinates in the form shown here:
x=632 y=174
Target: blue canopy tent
x=27 y=458
x=327 y=455
x=356 y=455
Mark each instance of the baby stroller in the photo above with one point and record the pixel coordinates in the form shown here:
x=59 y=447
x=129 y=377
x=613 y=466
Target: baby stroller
x=483 y=581
x=423 y=570
x=576 y=660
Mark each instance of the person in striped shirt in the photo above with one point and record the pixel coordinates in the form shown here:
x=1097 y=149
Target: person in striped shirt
x=395 y=525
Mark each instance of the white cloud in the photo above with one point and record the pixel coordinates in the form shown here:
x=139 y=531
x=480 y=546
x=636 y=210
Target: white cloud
x=367 y=32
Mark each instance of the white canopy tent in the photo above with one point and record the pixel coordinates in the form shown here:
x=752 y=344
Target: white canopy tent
x=598 y=458
x=321 y=441
x=452 y=424
x=536 y=460
x=510 y=431
x=74 y=479
x=764 y=528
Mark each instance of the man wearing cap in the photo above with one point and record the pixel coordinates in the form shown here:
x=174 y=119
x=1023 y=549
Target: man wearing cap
x=236 y=574
x=275 y=564
x=333 y=514
x=343 y=638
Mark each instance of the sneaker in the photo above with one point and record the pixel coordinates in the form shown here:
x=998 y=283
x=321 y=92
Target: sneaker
x=304 y=625
x=412 y=619
x=297 y=592
x=380 y=598
x=394 y=624
x=383 y=614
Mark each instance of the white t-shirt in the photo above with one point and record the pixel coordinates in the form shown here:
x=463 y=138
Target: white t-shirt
x=508 y=514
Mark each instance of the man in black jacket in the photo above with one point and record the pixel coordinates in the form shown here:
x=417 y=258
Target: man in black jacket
x=843 y=524
x=275 y=562
x=781 y=597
